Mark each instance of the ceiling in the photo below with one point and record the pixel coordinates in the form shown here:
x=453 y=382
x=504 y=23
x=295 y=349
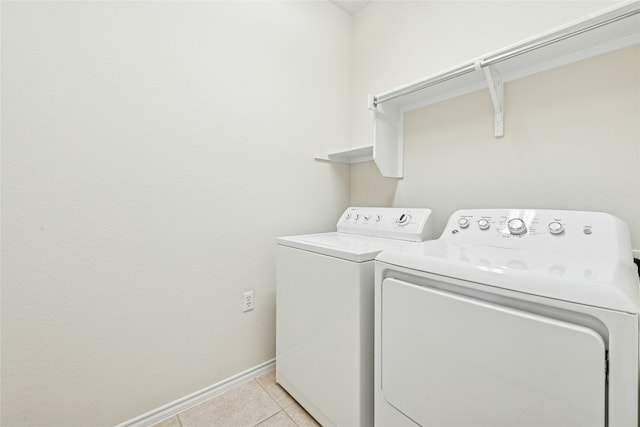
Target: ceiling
x=351 y=6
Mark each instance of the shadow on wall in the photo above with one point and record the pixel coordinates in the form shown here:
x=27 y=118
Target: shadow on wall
x=369 y=188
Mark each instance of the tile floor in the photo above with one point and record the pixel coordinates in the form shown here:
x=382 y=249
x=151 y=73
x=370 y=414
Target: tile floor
x=259 y=402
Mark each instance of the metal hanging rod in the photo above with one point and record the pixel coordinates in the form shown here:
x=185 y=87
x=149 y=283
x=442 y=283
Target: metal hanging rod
x=556 y=37
x=457 y=72
x=587 y=25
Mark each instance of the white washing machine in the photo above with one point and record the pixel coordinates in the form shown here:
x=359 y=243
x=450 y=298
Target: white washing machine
x=511 y=318
x=324 y=311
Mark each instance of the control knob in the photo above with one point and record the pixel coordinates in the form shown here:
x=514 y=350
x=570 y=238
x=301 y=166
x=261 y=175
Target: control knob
x=463 y=222
x=555 y=227
x=483 y=224
x=517 y=226
x=403 y=219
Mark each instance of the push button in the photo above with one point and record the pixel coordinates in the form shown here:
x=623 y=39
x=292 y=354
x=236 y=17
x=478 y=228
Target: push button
x=555 y=227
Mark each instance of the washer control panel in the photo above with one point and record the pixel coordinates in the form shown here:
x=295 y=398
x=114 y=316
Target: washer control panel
x=413 y=224
x=525 y=227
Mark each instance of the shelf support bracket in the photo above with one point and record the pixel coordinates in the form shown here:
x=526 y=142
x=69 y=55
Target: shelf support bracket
x=496 y=89
x=371 y=103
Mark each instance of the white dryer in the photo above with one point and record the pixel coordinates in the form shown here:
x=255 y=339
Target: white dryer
x=513 y=317
x=324 y=311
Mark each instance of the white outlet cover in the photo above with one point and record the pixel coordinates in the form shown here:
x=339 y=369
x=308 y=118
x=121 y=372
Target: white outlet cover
x=247 y=301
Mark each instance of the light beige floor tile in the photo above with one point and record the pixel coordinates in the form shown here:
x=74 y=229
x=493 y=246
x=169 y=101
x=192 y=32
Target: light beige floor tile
x=169 y=422
x=281 y=419
x=268 y=381
x=300 y=416
x=245 y=405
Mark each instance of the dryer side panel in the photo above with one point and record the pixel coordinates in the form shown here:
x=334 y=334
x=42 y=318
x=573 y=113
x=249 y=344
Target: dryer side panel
x=453 y=360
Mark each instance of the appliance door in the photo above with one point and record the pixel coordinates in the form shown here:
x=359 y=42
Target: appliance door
x=451 y=360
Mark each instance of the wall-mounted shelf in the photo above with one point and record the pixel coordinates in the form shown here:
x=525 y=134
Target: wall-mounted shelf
x=599 y=33
x=351 y=155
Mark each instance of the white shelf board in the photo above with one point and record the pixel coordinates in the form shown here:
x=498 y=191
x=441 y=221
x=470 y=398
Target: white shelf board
x=359 y=154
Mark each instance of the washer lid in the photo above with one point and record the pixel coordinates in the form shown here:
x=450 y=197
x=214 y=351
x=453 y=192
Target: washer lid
x=575 y=277
x=349 y=247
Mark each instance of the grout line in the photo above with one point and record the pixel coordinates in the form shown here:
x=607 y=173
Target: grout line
x=289 y=416
x=268 y=394
x=271 y=397
x=269 y=417
x=282 y=407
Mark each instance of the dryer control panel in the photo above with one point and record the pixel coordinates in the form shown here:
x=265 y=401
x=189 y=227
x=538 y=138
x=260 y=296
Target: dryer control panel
x=391 y=223
x=535 y=228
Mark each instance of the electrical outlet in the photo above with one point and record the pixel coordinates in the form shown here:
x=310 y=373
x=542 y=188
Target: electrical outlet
x=247 y=301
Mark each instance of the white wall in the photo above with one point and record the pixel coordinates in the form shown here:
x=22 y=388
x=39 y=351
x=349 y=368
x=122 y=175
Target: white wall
x=151 y=153
x=572 y=135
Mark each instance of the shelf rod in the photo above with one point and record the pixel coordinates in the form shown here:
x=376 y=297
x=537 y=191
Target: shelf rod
x=554 y=38
x=576 y=29
x=456 y=72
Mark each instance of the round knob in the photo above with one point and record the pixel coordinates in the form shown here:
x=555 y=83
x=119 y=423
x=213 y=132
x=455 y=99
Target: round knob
x=357 y=217
x=517 y=226
x=483 y=224
x=555 y=227
x=367 y=217
x=347 y=216
x=378 y=218
x=403 y=219
x=463 y=222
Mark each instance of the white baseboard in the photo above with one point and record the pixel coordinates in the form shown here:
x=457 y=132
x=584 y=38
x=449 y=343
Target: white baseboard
x=169 y=410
